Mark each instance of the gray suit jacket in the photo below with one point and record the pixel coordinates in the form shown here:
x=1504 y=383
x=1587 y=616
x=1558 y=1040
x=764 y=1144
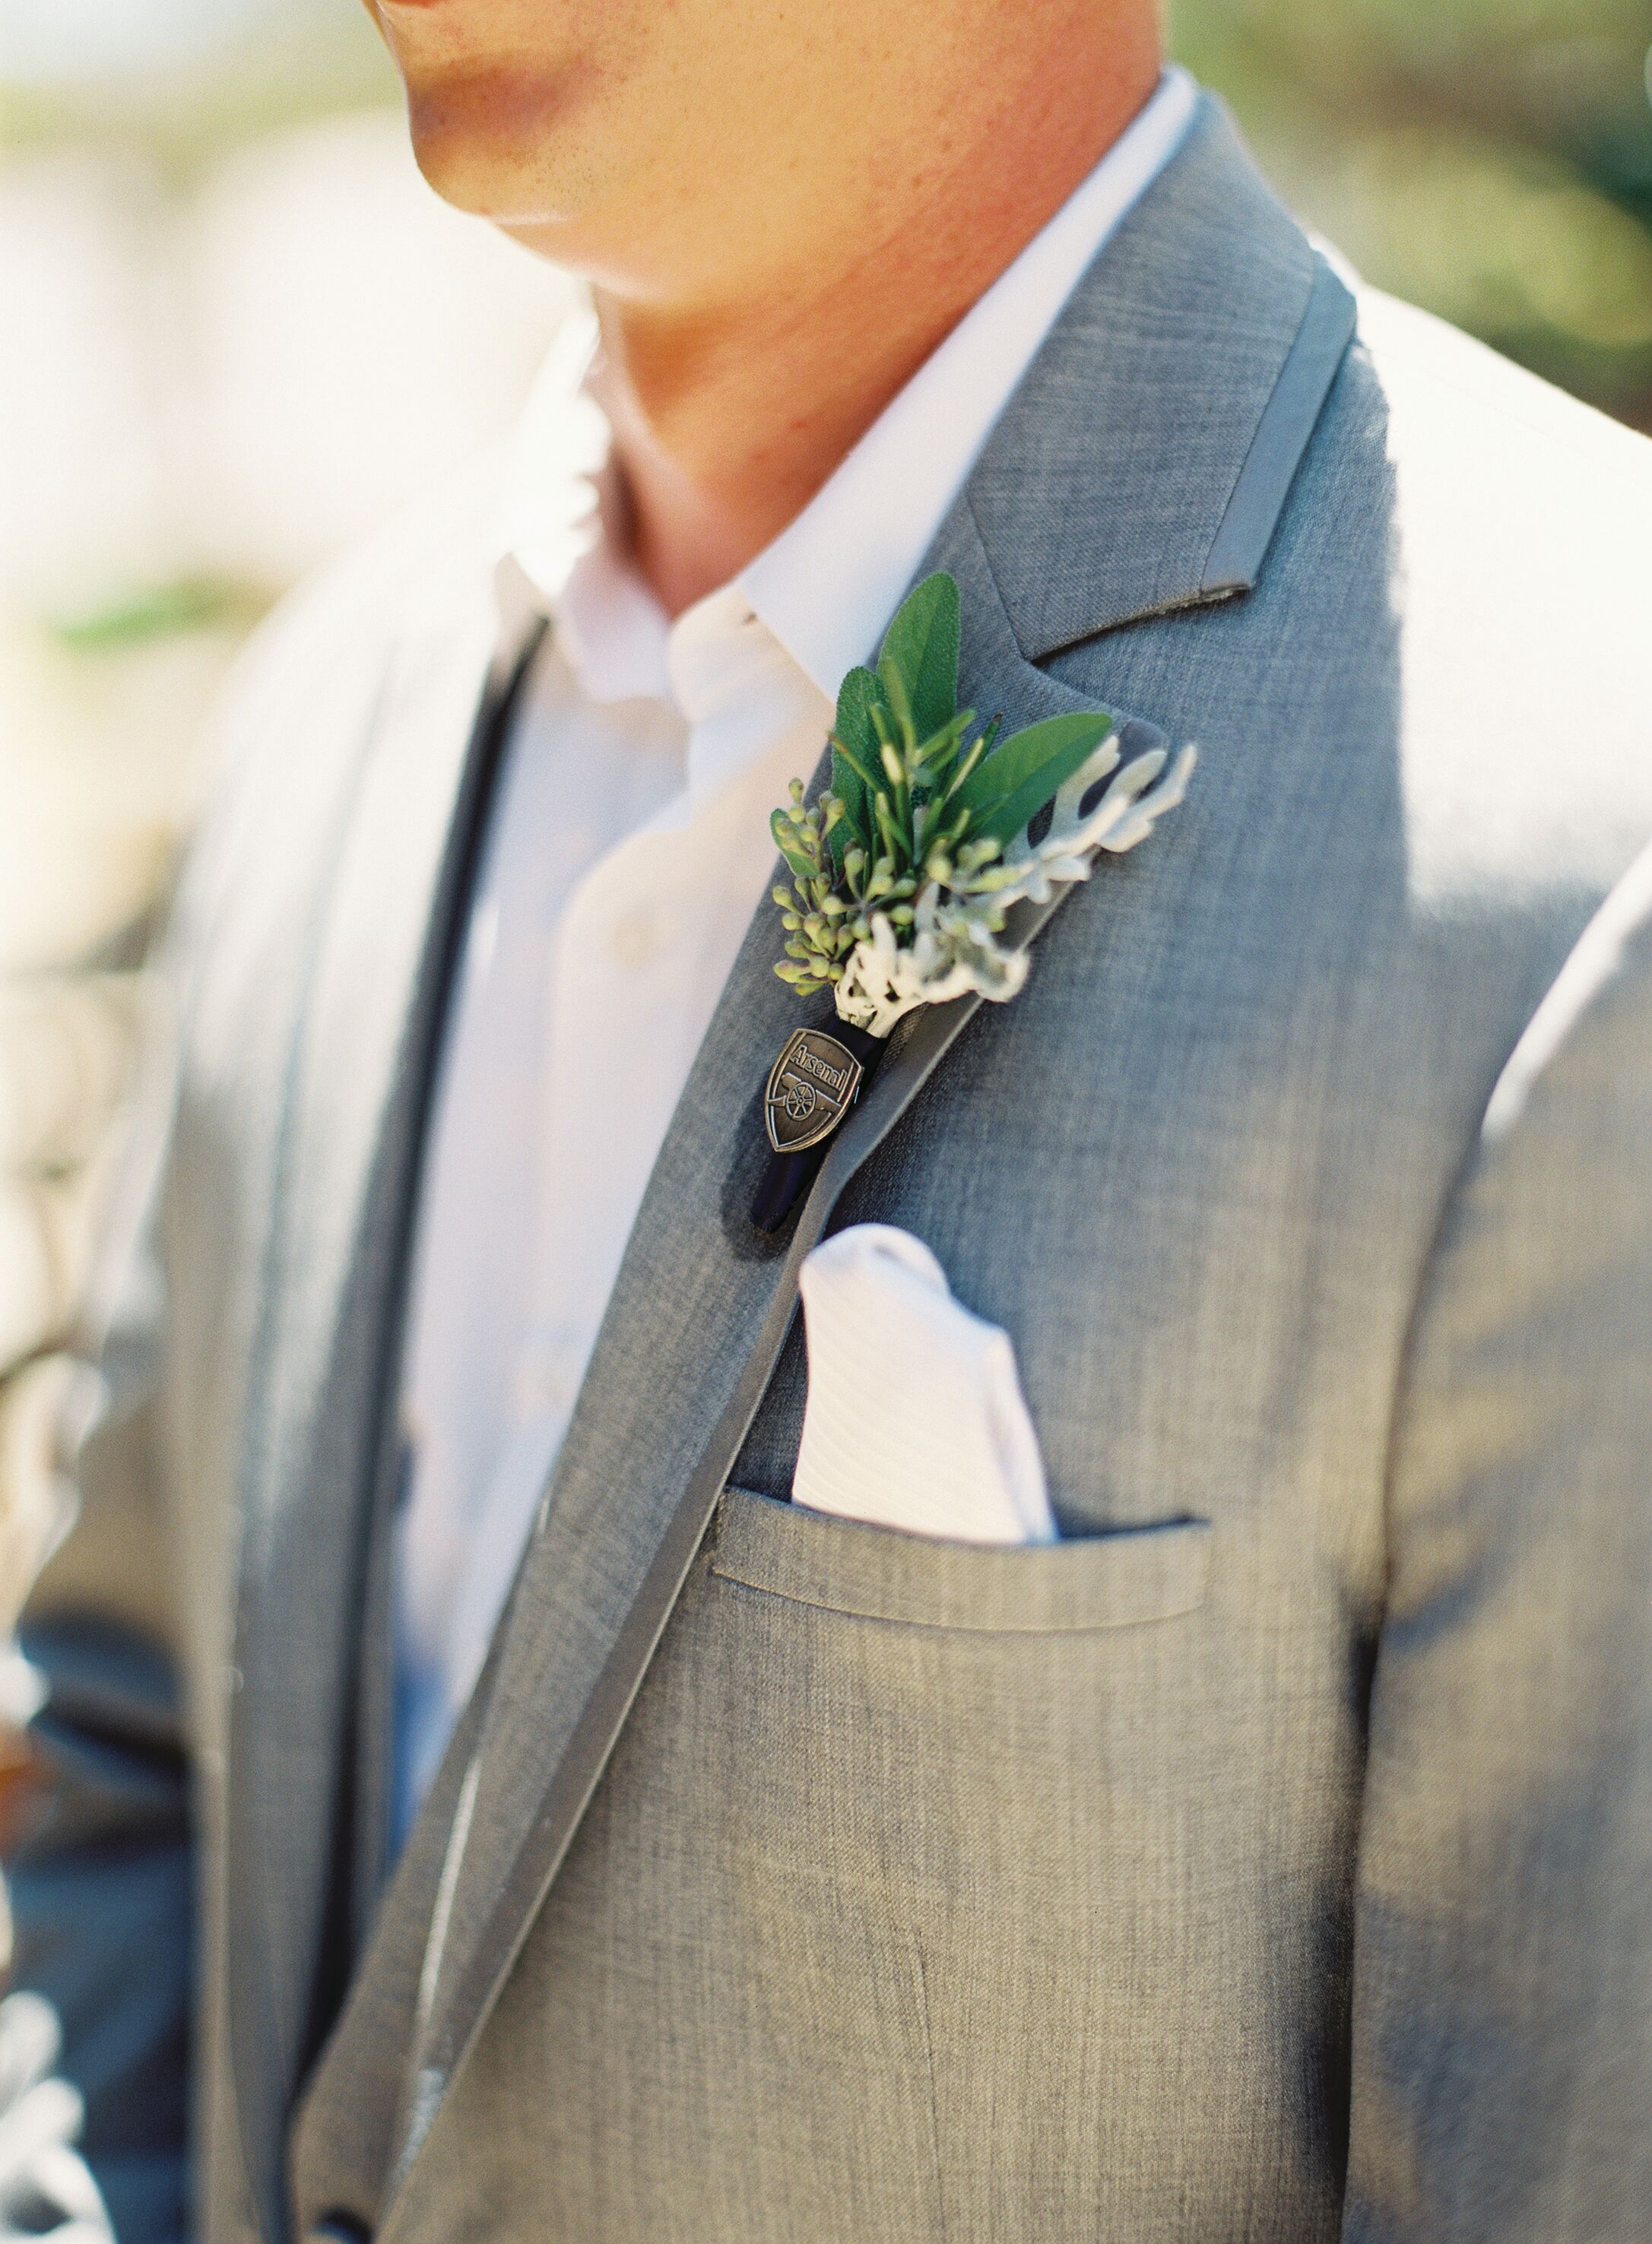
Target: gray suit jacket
x=1272 y=1856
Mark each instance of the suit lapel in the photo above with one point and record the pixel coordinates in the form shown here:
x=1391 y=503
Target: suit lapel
x=1110 y=490
x=1143 y=464
x=355 y=1098
x=699 y=1313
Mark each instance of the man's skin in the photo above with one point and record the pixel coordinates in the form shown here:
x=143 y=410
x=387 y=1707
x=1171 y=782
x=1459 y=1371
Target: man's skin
x=783 y=206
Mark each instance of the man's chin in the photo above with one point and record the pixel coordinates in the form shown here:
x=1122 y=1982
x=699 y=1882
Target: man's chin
x=490 y=143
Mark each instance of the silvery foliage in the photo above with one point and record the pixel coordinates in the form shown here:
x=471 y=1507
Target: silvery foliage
x=954 y=946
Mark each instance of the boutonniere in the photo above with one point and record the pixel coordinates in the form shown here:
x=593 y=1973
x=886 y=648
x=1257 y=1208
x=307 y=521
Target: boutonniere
x=904 y=870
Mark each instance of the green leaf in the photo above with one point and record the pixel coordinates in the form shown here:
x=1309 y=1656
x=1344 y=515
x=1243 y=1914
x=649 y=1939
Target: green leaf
x=896 y=700
x=921 y=644
x=854 y=749
x=1013 y=783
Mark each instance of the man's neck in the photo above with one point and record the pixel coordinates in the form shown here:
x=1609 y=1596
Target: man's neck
x=729 y=415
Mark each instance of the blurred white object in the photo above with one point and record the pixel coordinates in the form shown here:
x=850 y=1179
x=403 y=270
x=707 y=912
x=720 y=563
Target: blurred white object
x=356 y=340
x=44 y=1224
x=45 y=41
x=45 y=2189
x=81 y=466
x=30 y=1293
x=915 y=1418
x=36 y=1499
x=246 y=377
x=66 y=1045
x=23 y=1690
x=98 y=777
x=45 y=1235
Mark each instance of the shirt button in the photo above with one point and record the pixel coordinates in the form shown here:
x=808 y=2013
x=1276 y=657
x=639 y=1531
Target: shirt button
x=634 y=940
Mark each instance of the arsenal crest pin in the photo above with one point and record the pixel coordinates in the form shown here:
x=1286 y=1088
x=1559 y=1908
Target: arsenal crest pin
x=812 y=1087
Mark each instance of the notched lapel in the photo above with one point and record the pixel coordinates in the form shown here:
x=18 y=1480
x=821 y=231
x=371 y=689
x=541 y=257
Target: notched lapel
x=1148 y=454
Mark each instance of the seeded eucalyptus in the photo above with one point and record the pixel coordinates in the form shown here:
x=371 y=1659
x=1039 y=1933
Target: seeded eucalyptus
x=831 y=907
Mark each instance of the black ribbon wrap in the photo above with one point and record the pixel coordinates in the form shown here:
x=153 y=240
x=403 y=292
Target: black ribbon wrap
x=786 y=1177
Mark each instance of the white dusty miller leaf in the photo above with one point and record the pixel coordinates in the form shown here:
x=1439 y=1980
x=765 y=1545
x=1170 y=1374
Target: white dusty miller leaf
x=1124 y=815
x=955 y=945
x=953 y=950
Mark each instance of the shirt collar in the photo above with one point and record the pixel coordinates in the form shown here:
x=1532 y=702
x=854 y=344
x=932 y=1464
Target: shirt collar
x=827 y=586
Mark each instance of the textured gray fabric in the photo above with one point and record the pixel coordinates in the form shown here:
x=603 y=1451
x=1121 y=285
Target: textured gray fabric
x=1089 y=1582
x=1240 y=546
x=597 y=1585
x=1503 y=1990
x=1141 y=490
x=1269 y=1859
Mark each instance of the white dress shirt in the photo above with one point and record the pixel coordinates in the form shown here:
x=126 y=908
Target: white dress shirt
x=628 y=848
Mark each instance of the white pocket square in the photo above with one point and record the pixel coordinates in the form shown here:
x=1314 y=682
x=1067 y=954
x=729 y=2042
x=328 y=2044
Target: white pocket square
x=915 y=1418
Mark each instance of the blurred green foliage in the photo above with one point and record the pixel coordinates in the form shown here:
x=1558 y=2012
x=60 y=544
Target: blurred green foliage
x=1490 y=160
x=157 y=611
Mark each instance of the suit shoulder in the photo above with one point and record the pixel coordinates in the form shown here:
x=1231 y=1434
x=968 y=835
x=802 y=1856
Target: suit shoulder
x=1441 y=384
x=1587 y=1051
x=1506 y=524
x=1534 y=1308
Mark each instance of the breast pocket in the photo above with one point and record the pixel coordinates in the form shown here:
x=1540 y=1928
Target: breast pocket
x=956 y=1795
x=1120 y=1578
x=990 y=1736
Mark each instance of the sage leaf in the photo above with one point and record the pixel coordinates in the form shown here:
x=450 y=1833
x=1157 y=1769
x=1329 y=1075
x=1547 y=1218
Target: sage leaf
x=1014 y=784
x=922 y=644
x=854 y=755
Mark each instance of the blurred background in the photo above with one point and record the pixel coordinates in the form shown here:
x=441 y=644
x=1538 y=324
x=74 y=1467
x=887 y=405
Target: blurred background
x=238 y=331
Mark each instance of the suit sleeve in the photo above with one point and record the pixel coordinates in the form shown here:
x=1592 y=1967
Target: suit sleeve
x=1502 y=2014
